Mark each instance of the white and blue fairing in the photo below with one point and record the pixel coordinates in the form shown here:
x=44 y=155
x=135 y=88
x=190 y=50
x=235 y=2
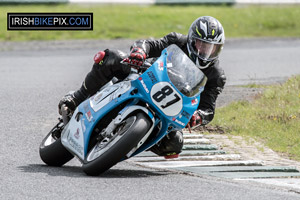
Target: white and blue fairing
x=171 y=87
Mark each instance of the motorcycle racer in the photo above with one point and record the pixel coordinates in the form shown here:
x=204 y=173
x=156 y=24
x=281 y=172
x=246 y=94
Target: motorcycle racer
x=203 y=45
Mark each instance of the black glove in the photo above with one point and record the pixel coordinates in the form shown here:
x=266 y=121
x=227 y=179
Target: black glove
x=70 y=101
x=137 y=57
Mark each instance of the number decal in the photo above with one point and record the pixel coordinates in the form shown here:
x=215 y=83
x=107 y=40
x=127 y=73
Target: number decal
x=166 y=98
x=165 y=91
x=171 y=102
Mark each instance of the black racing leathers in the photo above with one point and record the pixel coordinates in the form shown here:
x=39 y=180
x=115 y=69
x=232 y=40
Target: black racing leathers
x=110 y=67
x=215 y=75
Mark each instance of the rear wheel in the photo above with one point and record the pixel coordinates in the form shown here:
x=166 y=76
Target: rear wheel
x=52 y=152
x=110 y=150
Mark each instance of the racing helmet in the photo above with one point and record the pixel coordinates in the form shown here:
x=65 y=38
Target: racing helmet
x=205 y=41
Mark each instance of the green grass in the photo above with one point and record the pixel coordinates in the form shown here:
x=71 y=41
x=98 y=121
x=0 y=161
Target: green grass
x=273 y=118
x=130 y=21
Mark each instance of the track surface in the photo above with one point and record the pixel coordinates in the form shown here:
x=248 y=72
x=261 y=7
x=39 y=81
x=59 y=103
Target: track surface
x=34 y=76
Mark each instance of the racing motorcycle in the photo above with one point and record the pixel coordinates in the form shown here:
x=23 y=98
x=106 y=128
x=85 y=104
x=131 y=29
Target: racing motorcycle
x=128 y=117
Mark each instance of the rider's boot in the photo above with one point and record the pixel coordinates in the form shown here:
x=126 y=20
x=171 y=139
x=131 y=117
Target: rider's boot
x=170 y=146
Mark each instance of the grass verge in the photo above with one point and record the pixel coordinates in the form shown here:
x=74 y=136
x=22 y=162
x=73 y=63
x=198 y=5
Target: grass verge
x=273 y=118
x=131 y=21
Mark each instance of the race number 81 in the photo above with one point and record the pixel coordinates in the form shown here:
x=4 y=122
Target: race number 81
x=166 y=98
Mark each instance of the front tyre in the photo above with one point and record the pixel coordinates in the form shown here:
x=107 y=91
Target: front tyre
x=109 y=151
x=52 y=152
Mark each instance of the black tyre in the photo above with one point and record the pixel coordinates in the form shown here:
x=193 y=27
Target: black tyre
x=108 y=152
x=52 y=152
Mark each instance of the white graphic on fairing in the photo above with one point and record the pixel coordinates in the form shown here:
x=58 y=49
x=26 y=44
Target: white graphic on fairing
x=166 y=98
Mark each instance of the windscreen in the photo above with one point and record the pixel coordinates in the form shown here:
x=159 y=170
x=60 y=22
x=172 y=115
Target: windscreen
x=183 y=73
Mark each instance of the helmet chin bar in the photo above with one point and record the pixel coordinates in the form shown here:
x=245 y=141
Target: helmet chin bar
x=202 y=65
x=195 y=59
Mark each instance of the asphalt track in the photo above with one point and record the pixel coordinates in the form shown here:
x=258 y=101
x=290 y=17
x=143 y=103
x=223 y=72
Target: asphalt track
x=35 y=75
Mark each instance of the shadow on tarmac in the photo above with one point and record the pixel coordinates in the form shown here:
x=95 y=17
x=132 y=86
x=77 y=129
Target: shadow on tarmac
x=76 y=172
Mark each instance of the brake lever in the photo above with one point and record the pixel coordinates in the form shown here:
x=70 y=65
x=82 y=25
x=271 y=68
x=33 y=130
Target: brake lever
x=142 y=68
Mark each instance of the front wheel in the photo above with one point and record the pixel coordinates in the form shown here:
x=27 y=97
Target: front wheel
x=52 y=152
x=109 y=151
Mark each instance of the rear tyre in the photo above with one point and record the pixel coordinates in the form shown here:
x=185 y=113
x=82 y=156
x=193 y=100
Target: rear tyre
x=52 y=152
x=109 y=151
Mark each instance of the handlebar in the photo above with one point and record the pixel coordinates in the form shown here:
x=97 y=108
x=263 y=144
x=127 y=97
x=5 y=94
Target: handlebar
x=142 y=68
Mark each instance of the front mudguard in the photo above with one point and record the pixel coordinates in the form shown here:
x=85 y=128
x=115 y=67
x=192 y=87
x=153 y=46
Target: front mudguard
x=131 y=110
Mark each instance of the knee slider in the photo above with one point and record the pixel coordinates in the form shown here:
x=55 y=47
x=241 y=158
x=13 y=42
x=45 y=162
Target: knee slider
x=109 y=57
x=98 y=58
